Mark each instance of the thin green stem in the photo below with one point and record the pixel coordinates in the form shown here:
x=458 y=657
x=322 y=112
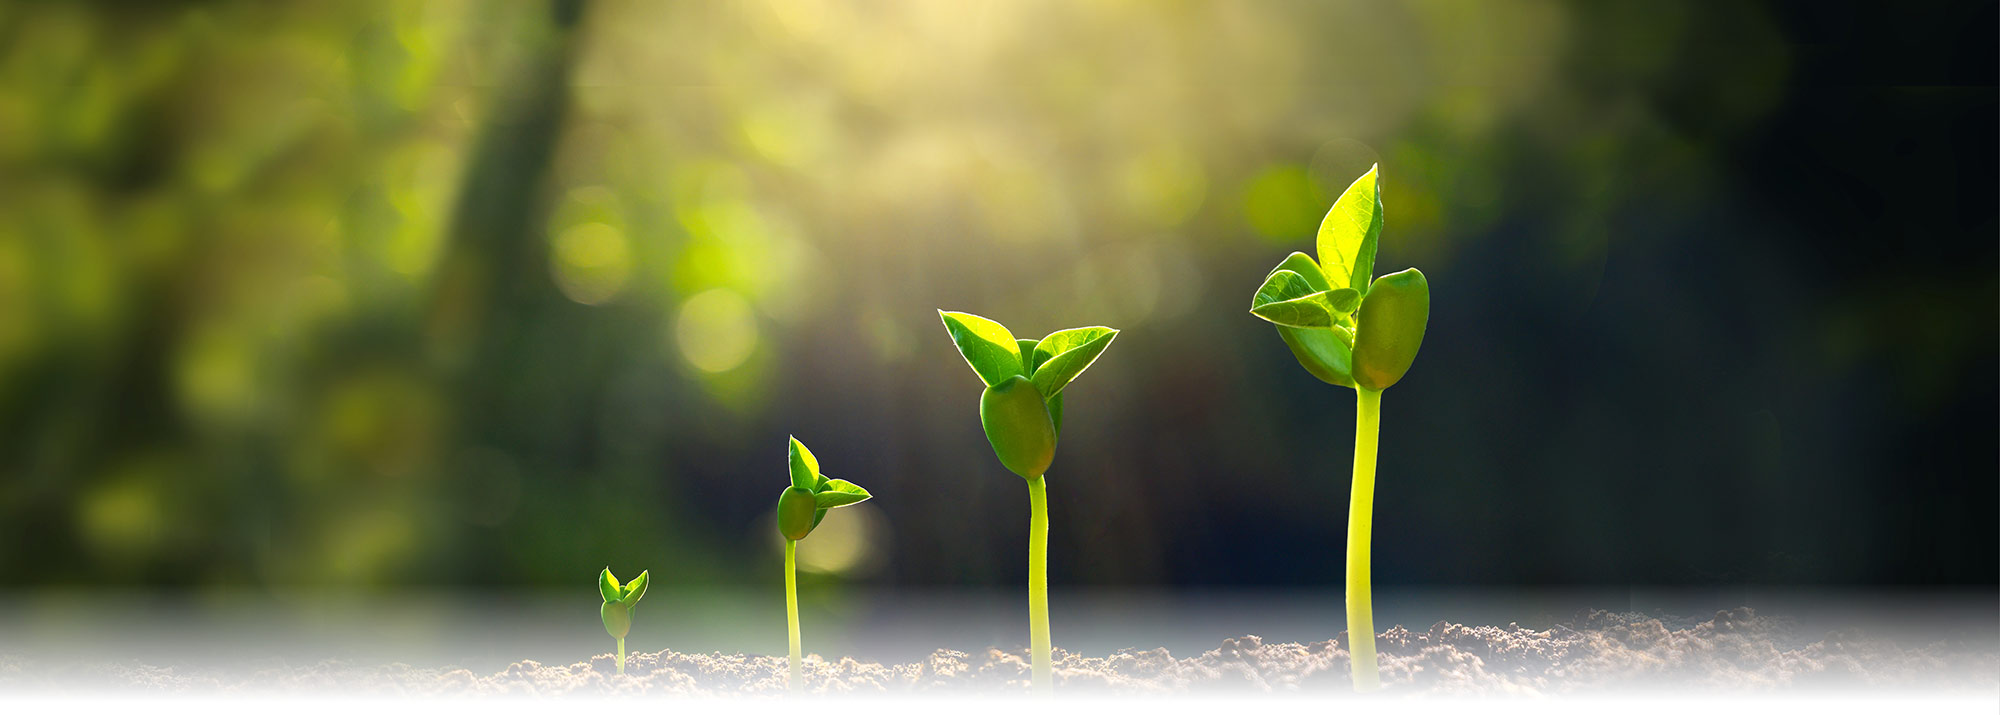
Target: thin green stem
x=1360 y=524
x=1038 y=584
x=792 y=608
x=621 y=656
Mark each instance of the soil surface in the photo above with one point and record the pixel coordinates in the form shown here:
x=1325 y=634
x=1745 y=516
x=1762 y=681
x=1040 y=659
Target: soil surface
x=1596 y=652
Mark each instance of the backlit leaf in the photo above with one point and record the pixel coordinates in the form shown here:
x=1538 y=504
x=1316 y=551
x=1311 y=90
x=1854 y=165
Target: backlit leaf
x=1303 y=265
x=634 y=590
x=1064 y=354
x=607 y=585
x=805 y=469
x=839 y=493
x=1348 y=234
x=987 y=346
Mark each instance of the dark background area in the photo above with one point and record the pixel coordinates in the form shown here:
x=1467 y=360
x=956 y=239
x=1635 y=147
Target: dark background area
x=382 y=296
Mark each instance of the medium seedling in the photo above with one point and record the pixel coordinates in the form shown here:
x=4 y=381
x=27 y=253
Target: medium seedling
x=618 y=604
x=1351 y=331
x=1022 y=410
x=800 y=508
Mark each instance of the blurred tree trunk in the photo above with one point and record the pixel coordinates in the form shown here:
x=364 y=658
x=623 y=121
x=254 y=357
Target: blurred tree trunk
x=488 y=317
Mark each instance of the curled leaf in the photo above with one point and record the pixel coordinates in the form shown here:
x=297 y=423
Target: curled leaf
x=1349 y=233
x=805 y=469
x=607 y=585
x=1065 y=354
x=839 y=493
x=634 y=590
x=1303 y=265
x=1028 y=355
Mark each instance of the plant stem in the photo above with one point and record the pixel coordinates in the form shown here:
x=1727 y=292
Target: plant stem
x=1360 y=522
x=621 y=656
x=792 y=607
x=1038 y=584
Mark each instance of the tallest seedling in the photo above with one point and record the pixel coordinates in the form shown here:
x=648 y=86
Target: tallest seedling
x=1022 y=411
x=1351 y=331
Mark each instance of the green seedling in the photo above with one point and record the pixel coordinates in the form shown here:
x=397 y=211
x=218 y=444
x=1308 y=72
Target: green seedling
x=800 y=508
x=1351 y=331
x=1022 y=411
x=618 y=604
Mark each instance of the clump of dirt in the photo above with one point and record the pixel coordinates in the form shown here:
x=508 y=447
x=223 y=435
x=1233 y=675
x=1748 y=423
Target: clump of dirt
x=1597 y=652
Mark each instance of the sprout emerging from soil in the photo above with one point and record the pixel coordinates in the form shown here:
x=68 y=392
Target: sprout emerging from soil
x=1022 y=410
x=618 y=604
x=1353 y=332
x=800 y=508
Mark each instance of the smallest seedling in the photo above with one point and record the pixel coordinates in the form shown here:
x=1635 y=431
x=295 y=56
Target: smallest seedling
x=618 y=603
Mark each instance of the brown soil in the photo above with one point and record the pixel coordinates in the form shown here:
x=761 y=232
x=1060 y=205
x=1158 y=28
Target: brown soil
x=1735 y=651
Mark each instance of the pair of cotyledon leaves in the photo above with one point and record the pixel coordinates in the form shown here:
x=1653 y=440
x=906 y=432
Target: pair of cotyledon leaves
x=1344 y=328
x=619 y=600
x=1022 y=406
x=803 y=504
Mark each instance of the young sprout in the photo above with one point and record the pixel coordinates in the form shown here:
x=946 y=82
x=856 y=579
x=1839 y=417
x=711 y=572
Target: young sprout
x=1353 y=332
x=1022 y=411
x=800 y=508
x=618 y=604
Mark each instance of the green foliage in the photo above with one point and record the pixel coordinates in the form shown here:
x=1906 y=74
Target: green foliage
x=1286 y=298
x=987 y=346
x=1022 y=406
x=1064 y=354
x=1348 y=234
x=619 y=601
x=803 y=505
x=1322 y=308
x=838 y=493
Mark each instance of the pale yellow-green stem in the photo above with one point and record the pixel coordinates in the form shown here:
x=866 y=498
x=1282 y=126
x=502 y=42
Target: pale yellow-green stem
x=1360 y=523
x=1038 y=585
x=792 y=680
x=621 y=656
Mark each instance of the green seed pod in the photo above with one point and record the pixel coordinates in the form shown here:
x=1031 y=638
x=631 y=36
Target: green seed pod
x=795 y=513
x=617 y=618
x=1390 y=327
x=1018 y=425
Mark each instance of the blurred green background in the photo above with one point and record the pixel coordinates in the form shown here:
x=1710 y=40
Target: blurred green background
x=380 y=295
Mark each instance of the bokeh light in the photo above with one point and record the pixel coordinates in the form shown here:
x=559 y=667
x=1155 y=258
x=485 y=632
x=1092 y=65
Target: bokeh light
x=716 y=330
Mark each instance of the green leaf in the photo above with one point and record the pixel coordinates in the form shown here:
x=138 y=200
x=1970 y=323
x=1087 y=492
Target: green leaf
x=1282 y=285
x=1348 y=234
x=1343 y=300
x=805 y=469
x=818 y=514
x=840 y=492
x=1303 y=265
x=987 y=346
x=634 y=590
x=607 y=585
x=1028 y=355
x=1064 y=354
